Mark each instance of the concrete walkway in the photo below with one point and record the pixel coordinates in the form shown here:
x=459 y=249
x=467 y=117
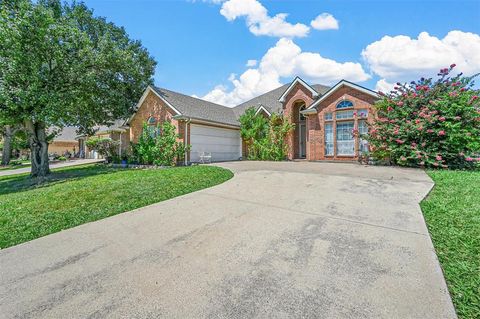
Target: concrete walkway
x=279 y=240
x=56 y=165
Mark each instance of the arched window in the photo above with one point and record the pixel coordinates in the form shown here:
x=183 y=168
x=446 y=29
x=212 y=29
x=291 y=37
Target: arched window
x=153 y=129
x=344 y=104
x=151 y=121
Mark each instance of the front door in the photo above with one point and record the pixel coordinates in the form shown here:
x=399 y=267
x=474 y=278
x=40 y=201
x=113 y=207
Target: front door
x=302 y=140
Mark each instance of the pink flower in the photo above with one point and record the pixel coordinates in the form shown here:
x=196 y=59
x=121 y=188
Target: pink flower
x=435 y=164
x=441 y=133
x=429 y=131
x=420 y=128
x=417 y=121
x=400 y=103
x=354 y=113
x=389 y=109
x=399 y=141
x=423 y=144
x=442 y=118
x=469 y=159
x=419 y=156
x=422 y=163
x=438 y=158
x=452 y=65
x=457 y=118
x=403 y=158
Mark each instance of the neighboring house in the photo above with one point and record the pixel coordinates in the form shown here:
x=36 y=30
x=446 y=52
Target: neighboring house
x=65 y=141
x=324 y=119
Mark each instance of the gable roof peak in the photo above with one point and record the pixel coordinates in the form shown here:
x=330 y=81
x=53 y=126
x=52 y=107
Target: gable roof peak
x=339 y=85
x=298 y=80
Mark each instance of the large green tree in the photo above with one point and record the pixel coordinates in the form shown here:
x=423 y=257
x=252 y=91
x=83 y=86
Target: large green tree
x=62 y=66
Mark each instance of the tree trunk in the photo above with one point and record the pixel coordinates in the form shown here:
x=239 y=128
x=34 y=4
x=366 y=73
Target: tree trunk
x=7 y=145
x=37 y=137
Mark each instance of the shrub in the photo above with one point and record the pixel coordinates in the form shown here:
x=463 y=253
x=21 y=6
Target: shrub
x=265 y=138
x=429 y=123
x=62 y=158
x=159 y=146
x=106 y=147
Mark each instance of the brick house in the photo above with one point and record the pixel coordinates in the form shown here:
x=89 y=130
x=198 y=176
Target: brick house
x=324 y=119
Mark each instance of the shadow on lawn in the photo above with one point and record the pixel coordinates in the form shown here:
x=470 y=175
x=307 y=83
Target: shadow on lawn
x=20 y=183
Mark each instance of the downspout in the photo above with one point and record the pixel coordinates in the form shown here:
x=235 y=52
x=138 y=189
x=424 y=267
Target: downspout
x=187 y=121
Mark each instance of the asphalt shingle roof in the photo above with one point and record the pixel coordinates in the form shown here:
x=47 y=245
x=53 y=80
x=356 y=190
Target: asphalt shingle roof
x=198 y=108
x=270 y=99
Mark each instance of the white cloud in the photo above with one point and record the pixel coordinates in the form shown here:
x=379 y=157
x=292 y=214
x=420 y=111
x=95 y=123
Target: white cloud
x=325 y=21
x=285 y=60
x=258 y=20
x=401 y=58
x=384 y=86
x=251 y=63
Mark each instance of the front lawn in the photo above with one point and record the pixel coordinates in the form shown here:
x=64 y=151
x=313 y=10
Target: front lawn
x=77 y=195
x=452 y=213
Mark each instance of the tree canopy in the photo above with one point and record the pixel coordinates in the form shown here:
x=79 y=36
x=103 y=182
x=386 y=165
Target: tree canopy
x=62 y=66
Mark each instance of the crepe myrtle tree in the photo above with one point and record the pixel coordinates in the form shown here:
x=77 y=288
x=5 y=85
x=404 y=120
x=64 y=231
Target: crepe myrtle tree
x=429 y=123
x=62 y=66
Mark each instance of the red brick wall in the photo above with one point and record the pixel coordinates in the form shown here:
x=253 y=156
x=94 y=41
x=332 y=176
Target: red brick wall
x=315 y=123
x=290 y=110
x=151 y=106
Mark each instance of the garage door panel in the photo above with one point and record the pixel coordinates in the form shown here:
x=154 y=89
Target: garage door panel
x=215 y=140
x=222 y=144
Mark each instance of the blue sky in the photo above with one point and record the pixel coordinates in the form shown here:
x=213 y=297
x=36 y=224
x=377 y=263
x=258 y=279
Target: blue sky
x=200 y=52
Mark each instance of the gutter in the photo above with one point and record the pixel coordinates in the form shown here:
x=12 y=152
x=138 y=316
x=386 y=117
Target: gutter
x=202 y=121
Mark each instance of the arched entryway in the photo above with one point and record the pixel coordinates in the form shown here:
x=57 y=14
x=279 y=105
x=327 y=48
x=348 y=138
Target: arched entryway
x=300 y=136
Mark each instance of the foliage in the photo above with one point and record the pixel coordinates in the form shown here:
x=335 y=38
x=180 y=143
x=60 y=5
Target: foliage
x=159 y=145
x=265 y=138
x=105 y=146
x=62 y=66
x=452 y=214
x=74 y=196
x=429 y=123
x=253 y=128
x=62 y=158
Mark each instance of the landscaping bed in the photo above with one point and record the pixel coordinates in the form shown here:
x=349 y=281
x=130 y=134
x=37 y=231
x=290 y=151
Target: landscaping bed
x=81 y=194
x=452 y=213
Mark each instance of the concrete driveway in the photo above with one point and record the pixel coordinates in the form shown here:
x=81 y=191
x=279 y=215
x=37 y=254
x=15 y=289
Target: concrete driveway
x=279 y=240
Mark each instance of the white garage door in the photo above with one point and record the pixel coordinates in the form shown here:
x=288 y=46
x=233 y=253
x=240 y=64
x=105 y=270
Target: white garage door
x=223 y=144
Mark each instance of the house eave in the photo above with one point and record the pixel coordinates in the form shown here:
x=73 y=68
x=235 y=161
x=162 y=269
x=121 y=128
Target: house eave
x=339 y=85
x=292 y=85
x=203 y=121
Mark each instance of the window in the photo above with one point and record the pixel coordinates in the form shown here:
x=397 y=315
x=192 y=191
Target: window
x=341 y=115
x=329 y=139
x=345 y=139
x=362 y=131
x=344 y=104
x=362 y=113
x=153 y=131
x=151 y=121
x=300 y=115
x=328 y=116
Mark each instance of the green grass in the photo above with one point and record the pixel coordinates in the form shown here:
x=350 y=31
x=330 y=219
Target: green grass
x=81 y=194
x=452 y=213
